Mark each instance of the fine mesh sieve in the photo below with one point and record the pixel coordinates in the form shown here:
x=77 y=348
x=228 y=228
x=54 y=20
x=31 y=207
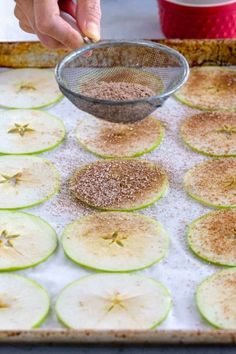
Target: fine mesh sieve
x=155 y=66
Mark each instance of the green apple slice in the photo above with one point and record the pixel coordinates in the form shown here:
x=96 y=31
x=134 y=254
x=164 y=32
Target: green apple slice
x=115 y=242
x=212 y=237
x=211 y=133
x=26 y=181
x=210 y=88
x=125 y=184
x=216 y=299
x=113 y=301
x=29 y=132
x=28 y=88
x=110 y=140
x=24 y=304
x=213 y=183
x=25 y=240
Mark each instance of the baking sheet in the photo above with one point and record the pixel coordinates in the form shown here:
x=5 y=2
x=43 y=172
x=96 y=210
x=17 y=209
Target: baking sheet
x=196 y=51
x=181 y=271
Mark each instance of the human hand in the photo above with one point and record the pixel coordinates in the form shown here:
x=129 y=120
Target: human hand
x=44 y=18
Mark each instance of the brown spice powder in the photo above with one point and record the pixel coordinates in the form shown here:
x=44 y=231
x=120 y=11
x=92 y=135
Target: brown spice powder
x=213 y=181
x=118 y=184
x=116 y=91
x=126 y=135
x=210 y=87
x=119 y=140
x=106 y=223
x=211 y=132
x=224 y=285
x=216 y=233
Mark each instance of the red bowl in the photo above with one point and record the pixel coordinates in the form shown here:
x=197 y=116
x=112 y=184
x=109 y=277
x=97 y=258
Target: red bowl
x=198 y=19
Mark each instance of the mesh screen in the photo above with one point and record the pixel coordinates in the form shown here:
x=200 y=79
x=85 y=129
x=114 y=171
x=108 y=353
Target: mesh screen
x=155 y=68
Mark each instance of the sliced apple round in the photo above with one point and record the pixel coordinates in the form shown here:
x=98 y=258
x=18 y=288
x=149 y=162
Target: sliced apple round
x=24 y=304
x=212 y=237
x=213 y=183
x=113 y=301
x=25 y=240
x=29 y=132
x=115 y=242
x=211 y=133
x=216 y=299
x=210 y=88
x=28 y=88
x=109 y=140
x=119 y=184
x=26 y=181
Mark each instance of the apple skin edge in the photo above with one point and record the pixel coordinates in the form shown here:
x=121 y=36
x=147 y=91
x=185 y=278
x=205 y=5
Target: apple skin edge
x=50 y=253
x=45 y=315
x=51 y=103
x=148 y=265
x=143 y=206
x=186 y=102
x=43 y=290
x=52 y=147
x=196 y=253
x=199 y=151
x=48 y=104
x=158 y=196
x=56 y=189
x=141 y=276
x=217 y=206
x=202 y=314
x=202 y=108
x=137 y=154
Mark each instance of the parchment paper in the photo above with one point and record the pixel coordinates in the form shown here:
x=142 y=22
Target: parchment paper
x=180 y=271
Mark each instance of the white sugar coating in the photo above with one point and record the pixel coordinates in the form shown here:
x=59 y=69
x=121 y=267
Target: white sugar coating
x=175 y=211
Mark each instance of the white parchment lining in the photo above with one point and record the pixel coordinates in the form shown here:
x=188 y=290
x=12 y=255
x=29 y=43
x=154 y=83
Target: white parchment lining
x=181 y=271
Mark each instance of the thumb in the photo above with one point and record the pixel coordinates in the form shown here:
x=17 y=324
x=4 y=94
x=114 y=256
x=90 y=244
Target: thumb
x=88 y=16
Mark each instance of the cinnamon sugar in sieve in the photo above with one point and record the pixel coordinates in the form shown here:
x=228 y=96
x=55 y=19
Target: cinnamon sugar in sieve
x=116 y=91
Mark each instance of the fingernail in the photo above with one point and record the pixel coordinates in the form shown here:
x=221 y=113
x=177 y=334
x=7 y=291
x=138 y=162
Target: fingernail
x=93 y=31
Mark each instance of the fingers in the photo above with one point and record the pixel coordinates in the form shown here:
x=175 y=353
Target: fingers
x=49 y=42
x=26 y=28
x=23 y=21
x=49 y=22
x=24 y=11
x=88 y=18
x=43 y=18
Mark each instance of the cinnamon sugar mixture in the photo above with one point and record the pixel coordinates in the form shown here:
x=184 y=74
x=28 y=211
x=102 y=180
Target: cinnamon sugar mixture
x=127 y=134
x=214 y=181
x=211 y=132
x=117 y=183
x=119 y=140
x=117 y=91
x=211 y=87
x=218 y=233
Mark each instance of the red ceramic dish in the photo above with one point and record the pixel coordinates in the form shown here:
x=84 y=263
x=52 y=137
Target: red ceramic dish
x=198 y=19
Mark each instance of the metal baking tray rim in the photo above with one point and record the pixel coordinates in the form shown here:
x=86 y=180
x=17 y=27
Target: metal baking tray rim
x=128 y=336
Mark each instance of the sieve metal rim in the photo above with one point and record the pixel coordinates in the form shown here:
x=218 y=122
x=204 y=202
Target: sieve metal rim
x=115 y=43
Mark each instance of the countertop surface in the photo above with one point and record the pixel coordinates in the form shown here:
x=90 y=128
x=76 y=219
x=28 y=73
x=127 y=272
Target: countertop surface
x=121 y=19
